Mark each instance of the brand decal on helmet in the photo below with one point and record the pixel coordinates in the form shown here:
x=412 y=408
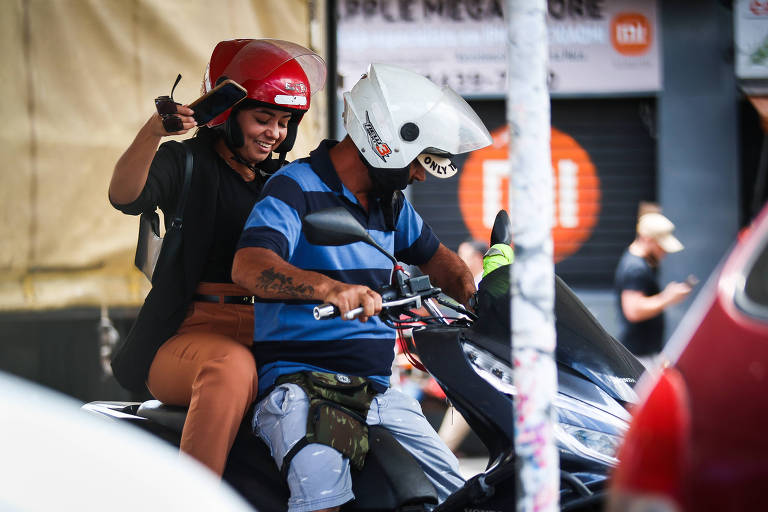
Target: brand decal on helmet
x=378 y=145
x=439 y=169
x=284 y=99
x=437 y=166
x=297 y=87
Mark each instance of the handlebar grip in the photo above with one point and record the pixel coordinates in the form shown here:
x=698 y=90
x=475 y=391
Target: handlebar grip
x=325 y=311
x=352 y=313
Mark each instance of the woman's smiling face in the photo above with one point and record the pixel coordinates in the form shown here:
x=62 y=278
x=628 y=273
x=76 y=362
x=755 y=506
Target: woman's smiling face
x=264 y=129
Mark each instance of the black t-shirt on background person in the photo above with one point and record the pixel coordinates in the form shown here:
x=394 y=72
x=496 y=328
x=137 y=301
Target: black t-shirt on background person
x=646 y=337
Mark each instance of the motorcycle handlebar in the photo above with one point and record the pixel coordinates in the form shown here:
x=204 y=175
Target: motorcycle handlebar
x=327 y=311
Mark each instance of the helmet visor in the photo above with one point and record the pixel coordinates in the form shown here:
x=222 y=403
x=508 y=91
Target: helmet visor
x=311 y=63
x=454 y=128
x=255 y=59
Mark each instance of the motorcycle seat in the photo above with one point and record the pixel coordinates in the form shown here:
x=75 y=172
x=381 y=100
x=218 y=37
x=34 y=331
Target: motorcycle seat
x=169 y=416
x=387 y=462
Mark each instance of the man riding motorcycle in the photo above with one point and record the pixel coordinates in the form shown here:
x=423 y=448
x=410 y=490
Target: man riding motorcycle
x=400 y=126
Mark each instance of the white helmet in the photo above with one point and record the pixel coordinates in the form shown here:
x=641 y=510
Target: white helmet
x=394 y=116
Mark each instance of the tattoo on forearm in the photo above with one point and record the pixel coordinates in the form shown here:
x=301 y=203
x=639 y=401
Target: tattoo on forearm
x=275 y=282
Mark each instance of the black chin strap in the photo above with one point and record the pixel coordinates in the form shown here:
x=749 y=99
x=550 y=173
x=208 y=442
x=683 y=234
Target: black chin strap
x=388 y=185
x=271 y=165
x=263 y=169
x=385 y=181
x=237 y=158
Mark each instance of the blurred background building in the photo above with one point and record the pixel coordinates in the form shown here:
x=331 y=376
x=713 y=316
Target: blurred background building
x=651 y=101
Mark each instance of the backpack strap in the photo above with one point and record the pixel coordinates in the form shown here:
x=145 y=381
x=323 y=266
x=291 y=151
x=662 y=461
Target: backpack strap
x=151 y=249
x=178 y=219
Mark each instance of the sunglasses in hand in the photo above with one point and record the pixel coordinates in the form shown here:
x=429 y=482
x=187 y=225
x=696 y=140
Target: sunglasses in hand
x=166 y=107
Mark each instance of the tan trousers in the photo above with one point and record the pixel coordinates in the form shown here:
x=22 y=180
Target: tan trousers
x=209 y=367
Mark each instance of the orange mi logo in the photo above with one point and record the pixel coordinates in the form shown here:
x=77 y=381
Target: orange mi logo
x=484 y=190
x=631 y=34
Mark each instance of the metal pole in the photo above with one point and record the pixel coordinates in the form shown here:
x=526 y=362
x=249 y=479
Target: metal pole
x=331 y=85
x=532 y=274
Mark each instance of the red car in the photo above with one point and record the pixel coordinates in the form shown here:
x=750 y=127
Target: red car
x=699 y=440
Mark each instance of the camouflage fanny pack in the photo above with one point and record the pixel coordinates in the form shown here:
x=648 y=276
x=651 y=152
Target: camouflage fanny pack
x=338 y=407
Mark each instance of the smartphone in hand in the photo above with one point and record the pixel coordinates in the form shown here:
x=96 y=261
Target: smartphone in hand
x=225 y=95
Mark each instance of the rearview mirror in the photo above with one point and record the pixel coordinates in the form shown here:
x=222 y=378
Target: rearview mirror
x=502 y=229
x=336 y=226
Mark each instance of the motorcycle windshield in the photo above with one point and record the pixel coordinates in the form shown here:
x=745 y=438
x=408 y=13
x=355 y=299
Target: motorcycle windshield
x=582 y=343
x=584 y=346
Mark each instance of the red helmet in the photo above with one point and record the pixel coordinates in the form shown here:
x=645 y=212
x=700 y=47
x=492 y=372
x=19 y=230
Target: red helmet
x=279 y=73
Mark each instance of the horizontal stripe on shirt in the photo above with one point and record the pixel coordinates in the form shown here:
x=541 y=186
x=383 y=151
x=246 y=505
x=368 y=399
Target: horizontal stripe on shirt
x=286 y=333
x=351 y=357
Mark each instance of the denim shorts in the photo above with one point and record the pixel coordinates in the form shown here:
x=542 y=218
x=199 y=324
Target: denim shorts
x=319 y=476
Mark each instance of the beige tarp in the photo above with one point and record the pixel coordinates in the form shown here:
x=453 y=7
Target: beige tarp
x=78 y=80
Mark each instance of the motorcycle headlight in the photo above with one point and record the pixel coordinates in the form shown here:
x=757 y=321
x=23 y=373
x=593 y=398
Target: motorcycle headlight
x=488 y=366
x=581 y=428
x=588 y=431
x=595 y=444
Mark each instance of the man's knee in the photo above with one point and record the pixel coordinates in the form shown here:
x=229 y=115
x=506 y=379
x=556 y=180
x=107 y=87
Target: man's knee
x=318 y=477
x=280 y=419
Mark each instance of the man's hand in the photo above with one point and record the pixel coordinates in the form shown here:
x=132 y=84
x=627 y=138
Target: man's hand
x=451 y=274
x=638 y=307
x=347 y=297
x=675 y=292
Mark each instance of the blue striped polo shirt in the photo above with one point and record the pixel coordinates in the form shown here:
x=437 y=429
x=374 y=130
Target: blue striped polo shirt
x=287 y=338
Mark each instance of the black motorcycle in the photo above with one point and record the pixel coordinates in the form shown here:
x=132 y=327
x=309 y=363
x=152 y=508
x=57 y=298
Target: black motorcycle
x=469 y=356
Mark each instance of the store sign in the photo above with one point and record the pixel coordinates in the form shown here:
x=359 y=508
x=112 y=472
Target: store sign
x=484 y=190
x=595 y=46
x=751 y=34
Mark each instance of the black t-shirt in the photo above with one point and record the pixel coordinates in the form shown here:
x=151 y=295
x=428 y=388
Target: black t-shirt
x=646 y=337
x=236 y=198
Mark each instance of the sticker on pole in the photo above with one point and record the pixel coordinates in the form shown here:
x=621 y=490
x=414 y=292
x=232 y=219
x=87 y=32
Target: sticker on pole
x=484 y=190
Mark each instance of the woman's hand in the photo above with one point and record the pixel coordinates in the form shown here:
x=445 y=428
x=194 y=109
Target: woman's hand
x=131 y=170
x=183 y=113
